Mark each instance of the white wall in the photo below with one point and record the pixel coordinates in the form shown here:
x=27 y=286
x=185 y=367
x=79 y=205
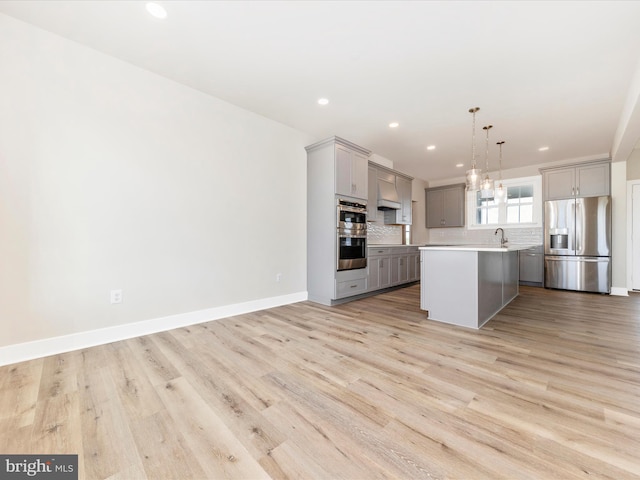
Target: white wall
x=619 y=259
x=633 y=165
x=627 y=134
x=113 y=177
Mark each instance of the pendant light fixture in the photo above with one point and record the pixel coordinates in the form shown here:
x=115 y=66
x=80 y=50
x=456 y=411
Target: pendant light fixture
x=486 y=187
x=500 y=192
x=473 y=175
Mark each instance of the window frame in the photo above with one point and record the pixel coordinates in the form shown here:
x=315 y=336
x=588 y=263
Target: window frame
x=535 y=181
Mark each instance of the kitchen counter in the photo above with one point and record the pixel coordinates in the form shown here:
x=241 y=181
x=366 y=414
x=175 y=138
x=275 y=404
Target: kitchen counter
x=395 y=244
x=467 y=285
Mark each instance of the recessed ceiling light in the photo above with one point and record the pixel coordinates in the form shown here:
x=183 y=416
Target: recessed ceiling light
x=459 y=165
x=394 y=125
x=323 y=101
x=431 y=147
x=156 y=10
x=543 y=149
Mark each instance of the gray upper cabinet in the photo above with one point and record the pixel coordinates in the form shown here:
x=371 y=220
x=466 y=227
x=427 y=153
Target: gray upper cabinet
x=434 y=206
x=402 y=216
x=559 y=183
x=445 y=206
x=352 y=172
x=372 y=202
x=587 y=180
x=404 y=194
x=401 y=183
x=593 y=180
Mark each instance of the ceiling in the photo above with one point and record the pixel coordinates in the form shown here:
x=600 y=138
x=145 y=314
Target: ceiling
x=553 y=74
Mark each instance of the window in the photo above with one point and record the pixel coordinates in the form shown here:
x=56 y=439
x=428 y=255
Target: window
x=520 y=204
x=487 y=211
x=523 y=206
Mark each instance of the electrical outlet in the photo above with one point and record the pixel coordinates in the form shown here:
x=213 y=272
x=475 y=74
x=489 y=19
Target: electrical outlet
x=116 y=296
x=278 y=277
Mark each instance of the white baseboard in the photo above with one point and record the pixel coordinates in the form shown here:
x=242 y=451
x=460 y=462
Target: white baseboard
x=76 y=341
x=620 y=291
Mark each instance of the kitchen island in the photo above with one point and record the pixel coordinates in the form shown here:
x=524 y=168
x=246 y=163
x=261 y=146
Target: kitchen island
x=467 y=285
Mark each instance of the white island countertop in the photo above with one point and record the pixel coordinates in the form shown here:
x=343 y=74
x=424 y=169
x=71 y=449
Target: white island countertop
x=477 y=247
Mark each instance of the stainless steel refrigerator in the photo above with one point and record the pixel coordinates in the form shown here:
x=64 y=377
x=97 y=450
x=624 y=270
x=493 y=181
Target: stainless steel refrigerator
x=577 y=244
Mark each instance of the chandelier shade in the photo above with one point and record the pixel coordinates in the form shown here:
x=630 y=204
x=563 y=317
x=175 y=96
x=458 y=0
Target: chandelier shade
x=487 y=186
x=473 y=178
x=473 y=175
x=500 y=193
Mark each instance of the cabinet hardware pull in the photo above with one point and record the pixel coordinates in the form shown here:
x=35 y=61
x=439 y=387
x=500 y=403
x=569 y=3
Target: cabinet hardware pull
x=353 y=286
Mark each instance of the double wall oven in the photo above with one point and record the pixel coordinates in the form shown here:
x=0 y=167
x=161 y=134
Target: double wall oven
x=351 y=234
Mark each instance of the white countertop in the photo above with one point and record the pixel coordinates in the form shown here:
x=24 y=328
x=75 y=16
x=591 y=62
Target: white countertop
x=478 y=247
x=394 y=245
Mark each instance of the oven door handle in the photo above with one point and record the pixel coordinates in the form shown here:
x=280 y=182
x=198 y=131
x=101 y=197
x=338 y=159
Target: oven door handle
x=352 y=209
x=352 y=227
x=349 y=235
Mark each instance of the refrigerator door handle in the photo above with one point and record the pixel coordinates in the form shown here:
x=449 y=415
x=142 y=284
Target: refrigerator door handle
x=572 y=227
x=571 y=258
x=577 y=247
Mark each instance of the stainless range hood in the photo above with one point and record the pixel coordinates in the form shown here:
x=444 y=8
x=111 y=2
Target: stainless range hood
x=387 y=195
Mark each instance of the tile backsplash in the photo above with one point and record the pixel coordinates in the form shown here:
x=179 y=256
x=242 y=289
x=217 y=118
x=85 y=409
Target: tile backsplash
x=378 y=233
x=531 y=236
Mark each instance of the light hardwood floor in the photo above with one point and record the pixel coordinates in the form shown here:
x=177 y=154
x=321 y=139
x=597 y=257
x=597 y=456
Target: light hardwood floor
x=550 y=388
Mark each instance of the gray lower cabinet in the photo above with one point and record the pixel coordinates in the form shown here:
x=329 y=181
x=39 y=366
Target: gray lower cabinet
x=378 y=267
x=400 y=269
x=350 y=283
x=389 y=266
x=414 y=266
x=532 y=266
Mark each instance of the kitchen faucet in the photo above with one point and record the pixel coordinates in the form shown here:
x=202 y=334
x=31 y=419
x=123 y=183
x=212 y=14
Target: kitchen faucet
x=503 y=240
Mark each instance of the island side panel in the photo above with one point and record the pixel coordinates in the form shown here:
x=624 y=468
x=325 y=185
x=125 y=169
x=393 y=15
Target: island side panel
x=449 y=286
x=511 y=269
x=490 y=281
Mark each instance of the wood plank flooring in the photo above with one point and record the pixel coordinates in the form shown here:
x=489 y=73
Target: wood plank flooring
x=548 y=389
